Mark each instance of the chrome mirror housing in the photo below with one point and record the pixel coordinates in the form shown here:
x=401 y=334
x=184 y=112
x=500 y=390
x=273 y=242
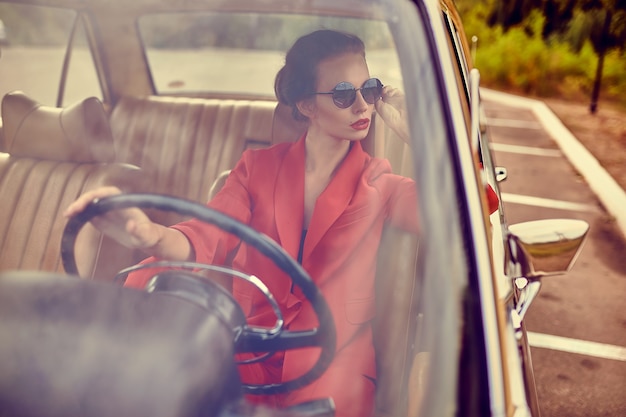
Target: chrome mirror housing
x=546 y=247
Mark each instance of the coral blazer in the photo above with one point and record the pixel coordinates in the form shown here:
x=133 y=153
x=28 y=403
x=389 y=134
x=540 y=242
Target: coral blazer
x=266 y=191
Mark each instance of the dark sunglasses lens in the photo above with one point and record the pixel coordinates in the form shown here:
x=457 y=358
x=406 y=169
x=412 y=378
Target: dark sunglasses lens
x=372 y=90
x=344 y=95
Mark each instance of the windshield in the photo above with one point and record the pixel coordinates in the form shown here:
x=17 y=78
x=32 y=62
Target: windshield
x=353 y=175
x=241 y=52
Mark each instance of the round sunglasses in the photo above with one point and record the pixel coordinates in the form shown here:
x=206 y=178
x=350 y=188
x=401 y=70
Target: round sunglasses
x=344 y=93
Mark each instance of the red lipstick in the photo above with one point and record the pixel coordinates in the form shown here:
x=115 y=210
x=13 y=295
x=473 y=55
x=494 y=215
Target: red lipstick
x=361 y=124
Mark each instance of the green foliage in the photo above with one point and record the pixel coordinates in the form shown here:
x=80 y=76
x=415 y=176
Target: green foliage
x=521 y=60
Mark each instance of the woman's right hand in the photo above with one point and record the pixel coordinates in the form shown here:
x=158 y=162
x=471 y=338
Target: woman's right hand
x=131 y=227
x=392 y=109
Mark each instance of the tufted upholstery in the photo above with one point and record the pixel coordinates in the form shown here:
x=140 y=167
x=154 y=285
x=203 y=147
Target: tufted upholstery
x=49 y=157
x=183 y=144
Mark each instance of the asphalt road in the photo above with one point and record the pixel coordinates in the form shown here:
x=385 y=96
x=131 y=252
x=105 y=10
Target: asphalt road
x=578 y=322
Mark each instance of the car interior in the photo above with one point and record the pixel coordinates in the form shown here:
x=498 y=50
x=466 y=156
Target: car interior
x=176 y=146
x=182 y=146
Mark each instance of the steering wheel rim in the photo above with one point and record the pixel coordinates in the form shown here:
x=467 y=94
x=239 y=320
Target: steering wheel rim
x=324 y=336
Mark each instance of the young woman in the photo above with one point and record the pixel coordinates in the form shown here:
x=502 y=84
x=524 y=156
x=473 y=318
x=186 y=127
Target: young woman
x=323 y=199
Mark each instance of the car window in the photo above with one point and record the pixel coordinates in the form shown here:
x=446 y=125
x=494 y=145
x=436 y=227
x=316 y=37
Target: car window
x=33 y=61
x=188 y=52
x=206 y=55
x=423 y=332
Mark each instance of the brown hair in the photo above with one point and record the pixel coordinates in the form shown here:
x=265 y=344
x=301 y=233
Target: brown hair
x=297 y=79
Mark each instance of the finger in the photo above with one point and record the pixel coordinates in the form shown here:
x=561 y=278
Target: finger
x=380 y=105
x=386 y=90
x=81 y=202
x=391 y=93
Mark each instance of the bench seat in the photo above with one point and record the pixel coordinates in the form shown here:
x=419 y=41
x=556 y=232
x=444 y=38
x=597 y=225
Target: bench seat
x=184 y=144
x=48 y=157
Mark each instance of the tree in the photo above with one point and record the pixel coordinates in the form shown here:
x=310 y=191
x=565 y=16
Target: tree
x=604 y=25
x=511 y=13
x=606 y=31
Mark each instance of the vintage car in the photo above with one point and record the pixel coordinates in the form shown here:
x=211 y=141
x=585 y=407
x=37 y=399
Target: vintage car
x=161 y=98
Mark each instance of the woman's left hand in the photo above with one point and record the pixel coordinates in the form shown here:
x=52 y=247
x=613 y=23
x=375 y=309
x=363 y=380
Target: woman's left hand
x=392 y=108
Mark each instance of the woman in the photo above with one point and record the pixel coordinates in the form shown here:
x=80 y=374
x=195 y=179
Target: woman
x=323 y=199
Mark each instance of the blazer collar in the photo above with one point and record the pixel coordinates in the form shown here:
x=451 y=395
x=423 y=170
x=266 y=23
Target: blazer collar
x=289 y=197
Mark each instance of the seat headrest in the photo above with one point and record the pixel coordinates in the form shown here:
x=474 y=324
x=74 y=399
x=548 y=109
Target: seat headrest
x=79 y=132
x=284 y=127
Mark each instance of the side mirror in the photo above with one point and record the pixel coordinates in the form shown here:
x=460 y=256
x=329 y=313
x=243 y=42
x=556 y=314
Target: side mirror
x=546 y=247
x=539 y=248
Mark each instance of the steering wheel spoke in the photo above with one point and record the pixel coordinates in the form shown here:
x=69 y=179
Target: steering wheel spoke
x=259 y=340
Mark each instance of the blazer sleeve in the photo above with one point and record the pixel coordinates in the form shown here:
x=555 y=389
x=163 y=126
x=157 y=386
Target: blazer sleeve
x=398 y=193
x=211 y=244
x=403 y=207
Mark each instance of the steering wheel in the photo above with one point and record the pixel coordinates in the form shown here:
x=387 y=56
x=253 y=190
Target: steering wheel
x=249 y=340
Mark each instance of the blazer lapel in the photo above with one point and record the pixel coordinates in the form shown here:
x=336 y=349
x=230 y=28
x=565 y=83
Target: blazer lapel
x=289 y=198
x=335 y=198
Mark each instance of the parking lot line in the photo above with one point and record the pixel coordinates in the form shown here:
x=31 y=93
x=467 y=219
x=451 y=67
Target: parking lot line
x=582 y=347
x=612 y=196
x=525 y=150
x=548 y=202
x=522 y=124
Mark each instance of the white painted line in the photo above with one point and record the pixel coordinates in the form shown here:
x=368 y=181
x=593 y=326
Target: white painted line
x=606 y=188
x=582 y=347
x=520 y=124
x=526 y=150
x=547 y=202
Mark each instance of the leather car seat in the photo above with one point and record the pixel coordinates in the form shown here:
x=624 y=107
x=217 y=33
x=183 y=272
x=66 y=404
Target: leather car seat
x=48 y=157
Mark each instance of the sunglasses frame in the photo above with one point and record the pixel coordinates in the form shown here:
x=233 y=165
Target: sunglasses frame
x=353 y=90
